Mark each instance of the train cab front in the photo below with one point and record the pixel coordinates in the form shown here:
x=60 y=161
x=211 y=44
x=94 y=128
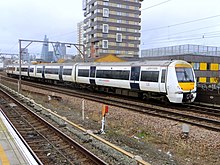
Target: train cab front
x=187 y=83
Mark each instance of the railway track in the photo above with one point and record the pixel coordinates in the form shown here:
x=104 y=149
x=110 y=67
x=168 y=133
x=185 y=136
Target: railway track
x=82 y=135
x=204 y=109
x=49 y=144
x=181 y=114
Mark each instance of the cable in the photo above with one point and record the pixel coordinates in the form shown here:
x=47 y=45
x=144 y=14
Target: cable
x=156 y=5
x=187 y=39
x=189 y=31
x=64 y=34
x=201 y=19
x=191 y=35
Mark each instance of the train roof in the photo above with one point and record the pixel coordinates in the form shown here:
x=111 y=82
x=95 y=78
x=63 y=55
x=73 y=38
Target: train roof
x=131 y=63
x=135 y=63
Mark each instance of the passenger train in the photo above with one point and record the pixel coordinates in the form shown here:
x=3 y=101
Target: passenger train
x=171 y=80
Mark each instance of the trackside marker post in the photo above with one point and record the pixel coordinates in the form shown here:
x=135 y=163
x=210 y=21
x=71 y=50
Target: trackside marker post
x=104 y=111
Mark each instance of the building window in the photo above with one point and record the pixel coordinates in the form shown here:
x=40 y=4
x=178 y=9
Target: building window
x=119 y=29
x=208 y=79
x=87 y=38
x=208 y=66
x=118 y=37
x=119 y=21
x=105 y=12
x=105 y=19
x=105 y=51
x=105 y=35
x=196 y=66
x=89 y=22
x=105 y=3
x=117 y=52
x=105 y=28
x=119 y=13
x=105 y=44
x=119 y=6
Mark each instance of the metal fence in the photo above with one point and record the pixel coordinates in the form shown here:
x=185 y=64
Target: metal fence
x=181 y=50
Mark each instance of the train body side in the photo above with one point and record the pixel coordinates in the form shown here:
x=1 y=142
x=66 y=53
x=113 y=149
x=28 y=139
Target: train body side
x=174 y=80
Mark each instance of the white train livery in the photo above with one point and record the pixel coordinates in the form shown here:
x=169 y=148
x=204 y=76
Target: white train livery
x=172 y=80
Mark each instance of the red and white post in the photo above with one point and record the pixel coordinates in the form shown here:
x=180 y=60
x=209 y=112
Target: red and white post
x=104 y=111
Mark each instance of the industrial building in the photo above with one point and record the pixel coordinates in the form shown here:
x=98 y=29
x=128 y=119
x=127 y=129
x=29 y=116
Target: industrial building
x=204 y=59
x=112 y=27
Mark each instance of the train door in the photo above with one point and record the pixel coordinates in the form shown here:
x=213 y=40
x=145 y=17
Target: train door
x=162 y=83
x=61 y=73
x=28 y=71
x=134 y=79
x=92 y=75
x=43 y=72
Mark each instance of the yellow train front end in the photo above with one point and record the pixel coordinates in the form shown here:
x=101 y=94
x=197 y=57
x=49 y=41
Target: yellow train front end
x=186 y=81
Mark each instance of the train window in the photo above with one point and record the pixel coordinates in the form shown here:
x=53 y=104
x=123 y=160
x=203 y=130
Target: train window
x=151 y=76
x=184 y=75
x=67 y=71
x=113 y=74
x=24 y=69
x=11 y=68
x=99 y=73
x=39 y=70
x=104 y=74
x=51 y=71
x=163 y=76
x=120 y=74
x=31 y=70
x=83 y=72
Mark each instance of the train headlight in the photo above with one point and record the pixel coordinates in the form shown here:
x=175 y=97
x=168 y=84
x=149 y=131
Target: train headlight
x=179 y=87
x=193 y=91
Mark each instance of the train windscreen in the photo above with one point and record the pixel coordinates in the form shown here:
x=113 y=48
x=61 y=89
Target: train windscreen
x=184 y=74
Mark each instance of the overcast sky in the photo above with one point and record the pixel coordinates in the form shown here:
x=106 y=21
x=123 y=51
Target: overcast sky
x=164 y=22
x=177 y=22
